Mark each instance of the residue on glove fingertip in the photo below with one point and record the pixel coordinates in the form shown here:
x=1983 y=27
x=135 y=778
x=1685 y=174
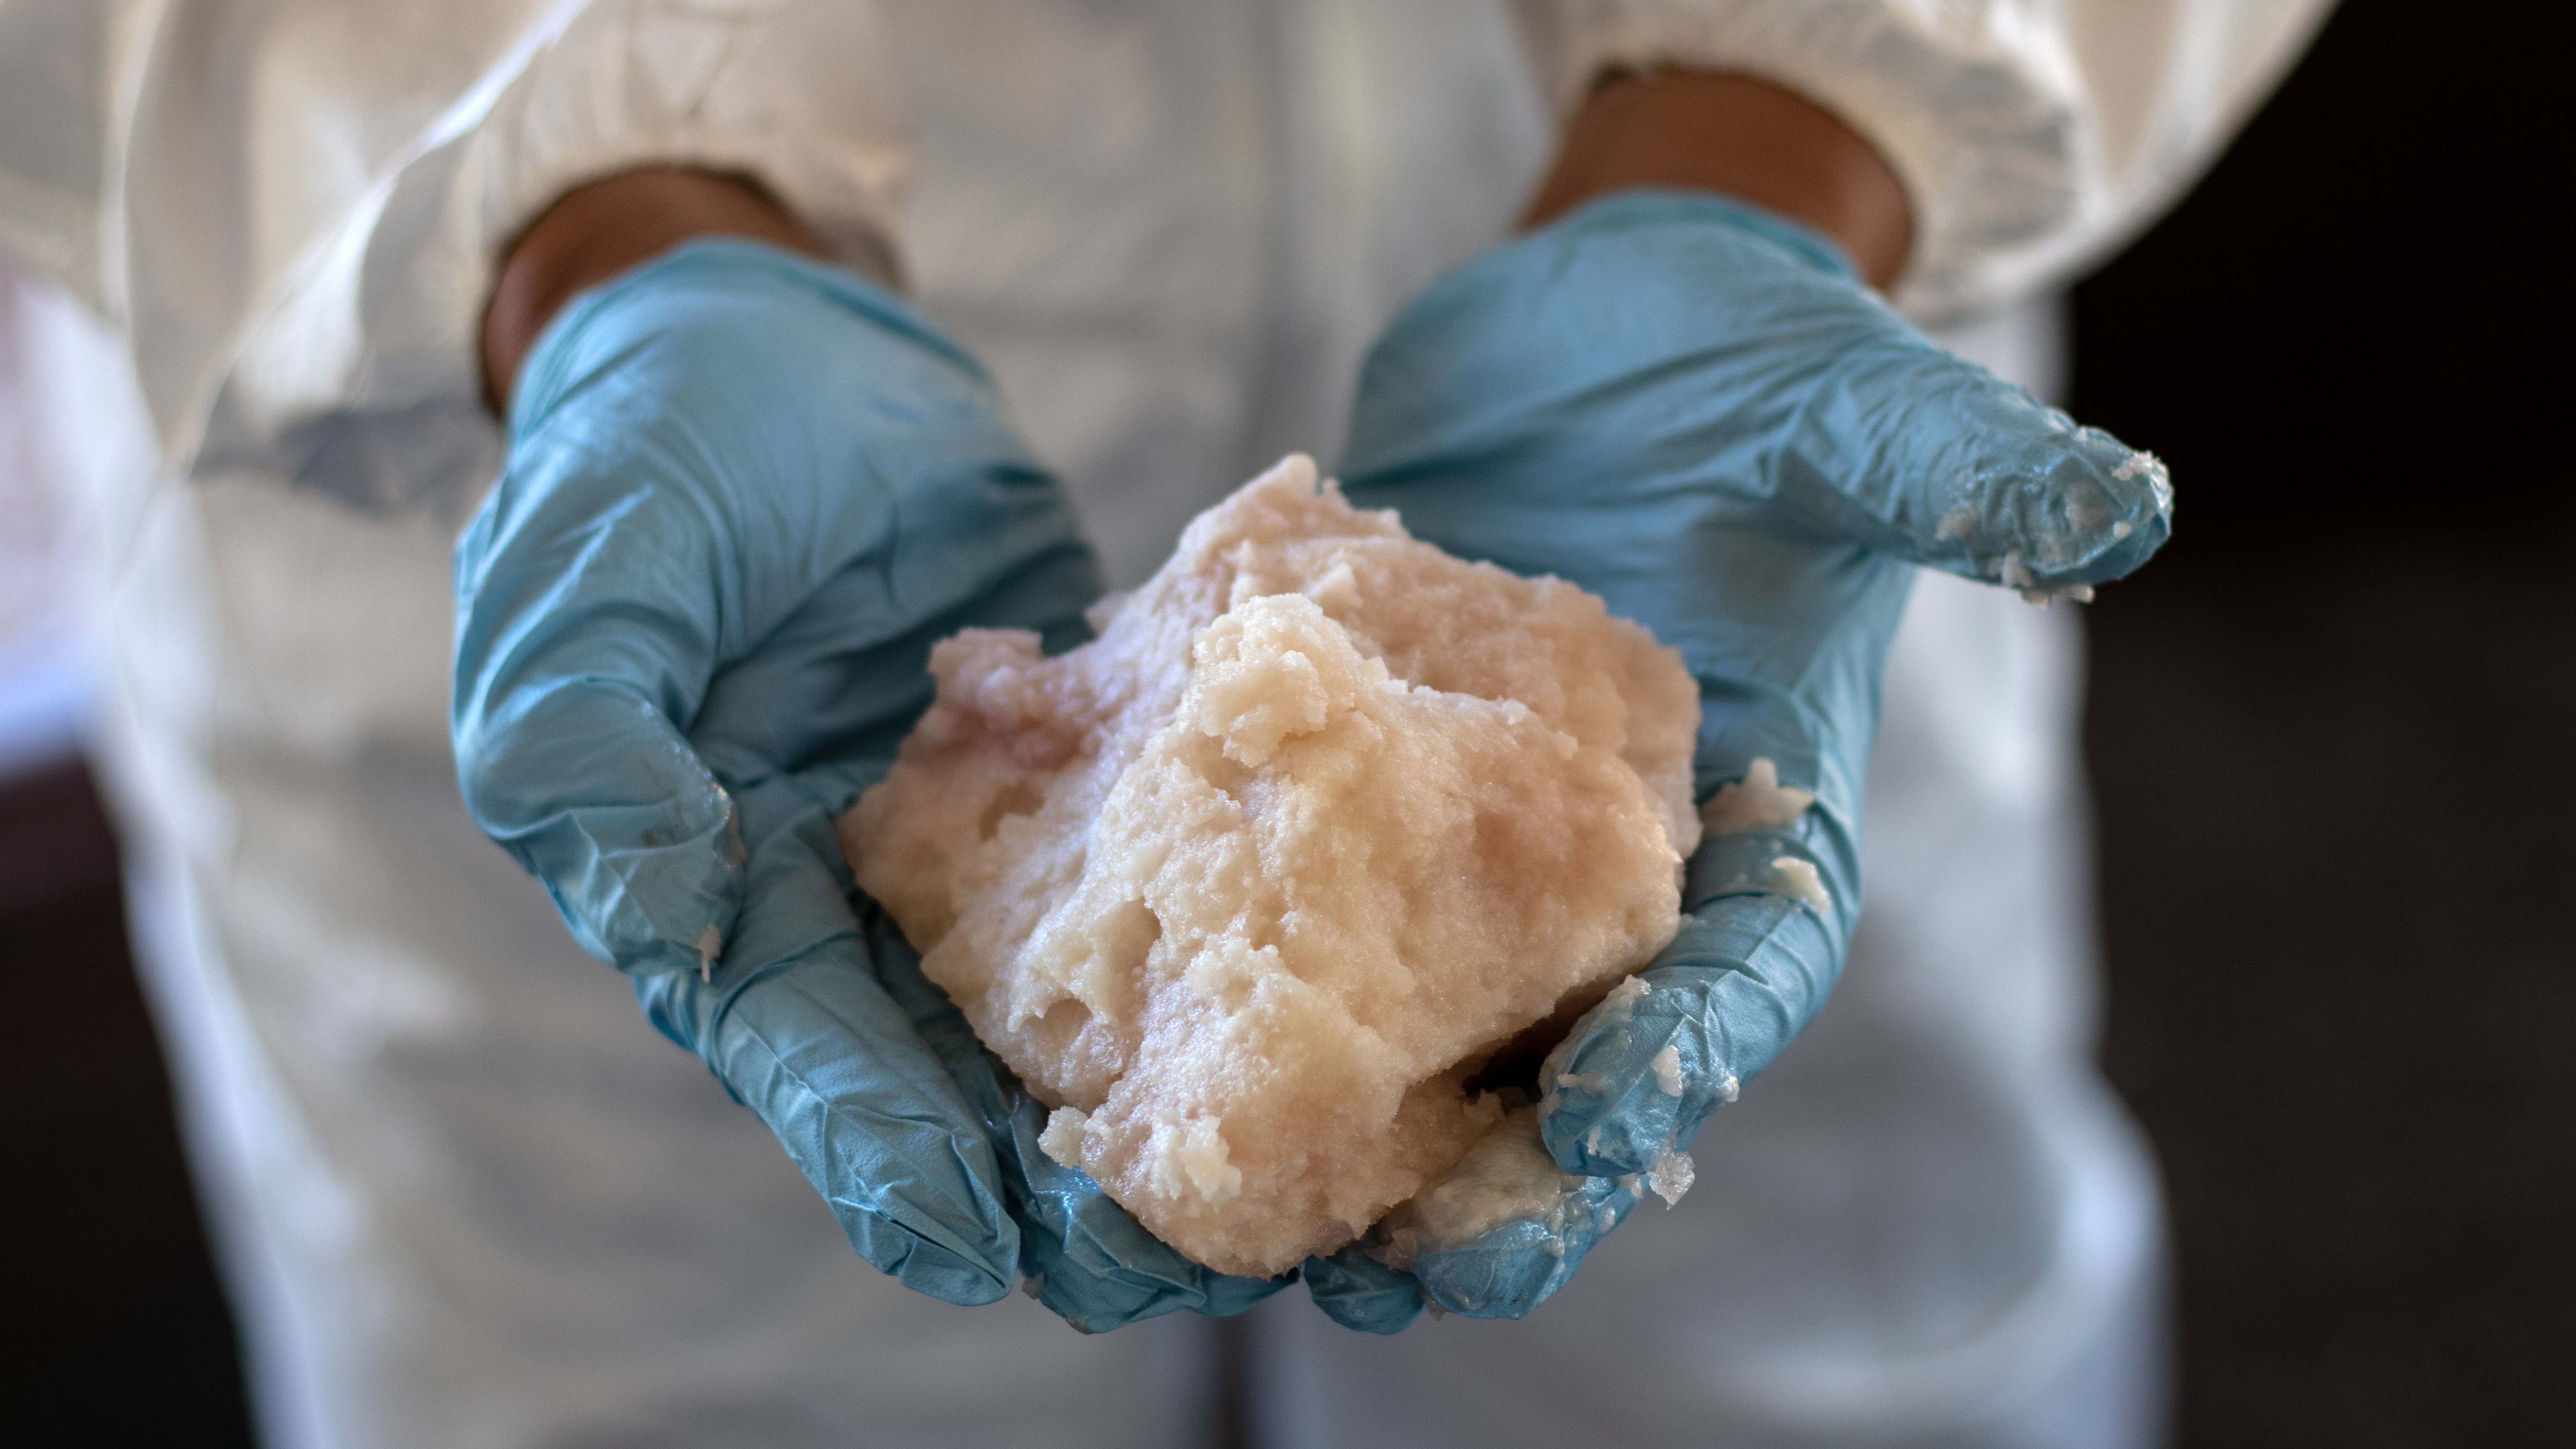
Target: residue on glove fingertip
x=1622 y=1001
x=1797 y=879
x=1670 y=1175
x=1667 y=1067
x=1757 y=802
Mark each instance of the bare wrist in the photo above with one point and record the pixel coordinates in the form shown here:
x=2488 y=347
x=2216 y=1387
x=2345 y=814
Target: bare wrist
x=596 y=230
x=1740 y=137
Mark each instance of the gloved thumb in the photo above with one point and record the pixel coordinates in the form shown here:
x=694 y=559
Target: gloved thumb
x=1930 y=458
x=1626 y=1091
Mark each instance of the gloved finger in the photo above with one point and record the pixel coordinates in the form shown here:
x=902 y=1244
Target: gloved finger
x=1081 y=1254
x=1514 y=1266
x=1359 y=1292
x=1500 y=1235
x=1926 y=457
x=1627 y=1090
x=796 y=1021
x=1505 y=1228
x=1737 y=373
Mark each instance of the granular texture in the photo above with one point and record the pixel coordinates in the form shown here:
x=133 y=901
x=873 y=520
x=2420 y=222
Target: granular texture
x=1248 y=888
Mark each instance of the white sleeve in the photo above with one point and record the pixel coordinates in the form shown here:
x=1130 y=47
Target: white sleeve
x=53 y=140
x=2033 y=136
x=311 y=195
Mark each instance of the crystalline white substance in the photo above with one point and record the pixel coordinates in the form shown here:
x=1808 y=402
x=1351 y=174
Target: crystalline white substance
x=1062 y=1139
x=1623 y=998
x=1670 y=1175
x=1249 y=887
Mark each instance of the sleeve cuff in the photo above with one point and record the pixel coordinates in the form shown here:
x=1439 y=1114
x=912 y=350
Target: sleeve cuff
x=361 y=379
x=1981 y=119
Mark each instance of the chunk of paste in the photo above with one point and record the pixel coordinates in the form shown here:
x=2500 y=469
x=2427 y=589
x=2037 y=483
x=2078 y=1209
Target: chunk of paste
x=1250 y=886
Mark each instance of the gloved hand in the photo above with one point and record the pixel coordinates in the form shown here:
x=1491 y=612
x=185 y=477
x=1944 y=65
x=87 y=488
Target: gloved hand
x=1694 y=409
x=745 y=493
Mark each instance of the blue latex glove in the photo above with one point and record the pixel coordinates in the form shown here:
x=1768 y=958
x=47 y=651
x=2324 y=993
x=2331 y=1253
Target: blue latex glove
x=1696 y=410
x=745 y=494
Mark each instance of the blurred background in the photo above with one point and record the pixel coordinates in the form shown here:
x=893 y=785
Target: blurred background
x=2333 y=742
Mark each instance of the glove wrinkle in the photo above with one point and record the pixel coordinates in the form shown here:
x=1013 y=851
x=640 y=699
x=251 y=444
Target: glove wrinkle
x=1360 y=1293
x=926 y=1205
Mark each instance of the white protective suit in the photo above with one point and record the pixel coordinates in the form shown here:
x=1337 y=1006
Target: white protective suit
x=465 y=1196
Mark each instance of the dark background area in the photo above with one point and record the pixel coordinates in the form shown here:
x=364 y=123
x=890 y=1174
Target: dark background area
x=2331 y=732
x=116 y=1331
